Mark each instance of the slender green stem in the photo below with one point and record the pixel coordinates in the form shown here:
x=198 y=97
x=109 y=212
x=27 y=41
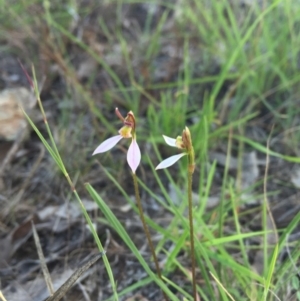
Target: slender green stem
x=188 y=145
x=146 y=229
x=190 y=181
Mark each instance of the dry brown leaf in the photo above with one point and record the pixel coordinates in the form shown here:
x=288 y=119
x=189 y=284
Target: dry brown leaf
x=35 y=290
x=6 y=250
x=137 y=298
x=86 y=68
x=14 y=240
x=70 y=211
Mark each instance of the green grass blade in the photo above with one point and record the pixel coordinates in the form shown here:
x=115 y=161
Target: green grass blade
x=126 y=238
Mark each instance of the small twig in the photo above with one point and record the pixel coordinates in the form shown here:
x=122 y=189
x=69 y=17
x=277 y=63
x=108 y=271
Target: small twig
x=60 y=293
x=44 y=267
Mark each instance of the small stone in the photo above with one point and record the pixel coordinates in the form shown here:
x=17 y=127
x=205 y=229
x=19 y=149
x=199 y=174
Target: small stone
x=12 y=119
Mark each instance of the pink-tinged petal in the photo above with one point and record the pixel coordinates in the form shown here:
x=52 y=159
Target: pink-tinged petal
x=169 y=161
x=134 y=155
x=107 y=144
x=170 y=141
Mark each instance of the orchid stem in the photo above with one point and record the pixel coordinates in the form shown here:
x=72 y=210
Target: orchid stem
x=187 y=142
x=190 y=204
x=146 y=229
